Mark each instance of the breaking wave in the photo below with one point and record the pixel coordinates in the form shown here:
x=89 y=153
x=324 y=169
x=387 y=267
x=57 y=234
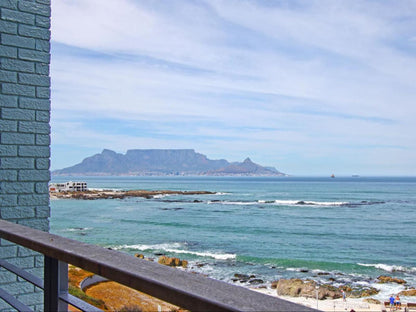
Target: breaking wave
x=389 y=268
x=176 y=248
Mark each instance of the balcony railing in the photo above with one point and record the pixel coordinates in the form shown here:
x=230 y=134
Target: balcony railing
x=188 y=291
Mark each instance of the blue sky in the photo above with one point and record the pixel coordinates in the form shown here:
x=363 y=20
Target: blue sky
x=309 y=87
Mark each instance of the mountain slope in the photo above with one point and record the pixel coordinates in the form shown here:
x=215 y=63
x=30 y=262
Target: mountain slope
x=162 y=162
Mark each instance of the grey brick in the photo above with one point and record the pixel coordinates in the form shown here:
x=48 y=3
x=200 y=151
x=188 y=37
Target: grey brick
x=7 y=277
x=9 y=175
x=18 y=114
x=42 y=187
x=16 y=89
x=17 y=187
x=43 y=212
x=43 y=21
x=8 y=51
x=19 y=288
x=43 y=116
x=8 y=251
x=40 y=224
x=8 y=100
x=42 y=68
x=34 y=127
x=17 y=213
x=7 y=201
x=23 y=263
x=38 y=104
x=33 y=200
x=16 y=16
x=8 y=150
x=34 y=151
x=39 y=261
x=42 y=163
x=42 y=139
x=32 y=55
x=18 y=65
x=34 y=79
x=17 y=163
x=18 y=41
x=8 y=125
x=8 y=27
x=33 y=32
x=4 y=242
x=43 y=92
x=25 y=252
x=10 y=4
x=35 y=8
x=43 y=45
x=17 y=138
x=8 y=76
x=33 y=175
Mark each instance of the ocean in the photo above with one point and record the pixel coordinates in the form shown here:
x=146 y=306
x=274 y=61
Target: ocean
x=335 y=231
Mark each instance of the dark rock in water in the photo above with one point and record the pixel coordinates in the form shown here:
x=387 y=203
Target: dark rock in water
x=173 y=262
x=256 y=281
x=242 y=277
x=323 y=273
x=197 y=201
x=331 y=279
x=301 y=202
x=158 y=254
x=304 y=270
x=388 y=279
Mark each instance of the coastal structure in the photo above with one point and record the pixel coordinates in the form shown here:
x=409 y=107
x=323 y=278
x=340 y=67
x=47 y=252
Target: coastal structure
x=25 y=137
x=68 y=187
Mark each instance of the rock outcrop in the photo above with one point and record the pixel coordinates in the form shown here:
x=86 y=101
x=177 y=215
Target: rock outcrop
x=408 y=293
x=173 y=262
x=388 y=279
x=308 y=288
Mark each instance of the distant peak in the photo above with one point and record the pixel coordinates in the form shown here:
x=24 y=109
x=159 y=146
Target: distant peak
x=247 y=160
x=107 y=151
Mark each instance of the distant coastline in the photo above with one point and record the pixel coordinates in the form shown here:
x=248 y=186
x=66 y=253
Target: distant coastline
x=163 y=162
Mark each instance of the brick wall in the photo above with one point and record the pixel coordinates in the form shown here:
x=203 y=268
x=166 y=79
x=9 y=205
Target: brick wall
x=24 y=134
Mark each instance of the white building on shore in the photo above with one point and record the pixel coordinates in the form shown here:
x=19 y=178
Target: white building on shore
x=68 y=187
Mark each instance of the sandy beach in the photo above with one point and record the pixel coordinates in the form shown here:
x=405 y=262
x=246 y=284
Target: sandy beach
x=329 y=305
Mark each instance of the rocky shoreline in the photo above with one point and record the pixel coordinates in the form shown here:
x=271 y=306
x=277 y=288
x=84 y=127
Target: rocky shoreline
x=111 y=194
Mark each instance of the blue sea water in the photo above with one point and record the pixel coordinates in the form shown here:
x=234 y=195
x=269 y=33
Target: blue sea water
x=337 y=231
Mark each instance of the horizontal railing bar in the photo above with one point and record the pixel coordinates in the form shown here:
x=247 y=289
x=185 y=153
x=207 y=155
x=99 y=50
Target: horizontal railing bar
x=38 y=282
x=189 y=291
x=78 y=303
x=12 y=301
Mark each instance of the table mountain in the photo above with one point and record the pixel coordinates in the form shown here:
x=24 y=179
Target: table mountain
x=163 y=162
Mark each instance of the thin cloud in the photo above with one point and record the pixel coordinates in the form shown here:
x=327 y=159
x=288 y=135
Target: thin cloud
x=228 y=78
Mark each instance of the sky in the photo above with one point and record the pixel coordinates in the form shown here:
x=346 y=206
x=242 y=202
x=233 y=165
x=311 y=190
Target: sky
x=309 y=87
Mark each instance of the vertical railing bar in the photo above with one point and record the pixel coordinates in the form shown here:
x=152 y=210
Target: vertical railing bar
x=62 y=284
x=51 y=284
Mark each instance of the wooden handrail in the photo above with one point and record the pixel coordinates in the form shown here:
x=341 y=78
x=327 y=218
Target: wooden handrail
x=186 y=290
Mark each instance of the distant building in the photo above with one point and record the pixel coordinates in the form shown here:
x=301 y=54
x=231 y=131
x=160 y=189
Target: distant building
x=68 y=187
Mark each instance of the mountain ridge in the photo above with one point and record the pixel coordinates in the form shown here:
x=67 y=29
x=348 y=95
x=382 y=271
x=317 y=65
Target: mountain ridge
x=145 y=162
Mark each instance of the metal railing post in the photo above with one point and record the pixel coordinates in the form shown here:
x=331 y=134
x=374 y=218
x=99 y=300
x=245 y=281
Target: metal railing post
x=55 y=283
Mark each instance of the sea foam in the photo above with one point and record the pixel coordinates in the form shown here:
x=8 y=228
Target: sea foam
x=178 y=249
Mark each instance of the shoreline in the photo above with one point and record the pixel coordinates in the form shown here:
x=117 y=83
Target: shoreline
x=120 y=194
x=328 y=305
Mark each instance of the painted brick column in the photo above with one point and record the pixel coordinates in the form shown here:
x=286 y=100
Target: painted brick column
x=24 y=134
